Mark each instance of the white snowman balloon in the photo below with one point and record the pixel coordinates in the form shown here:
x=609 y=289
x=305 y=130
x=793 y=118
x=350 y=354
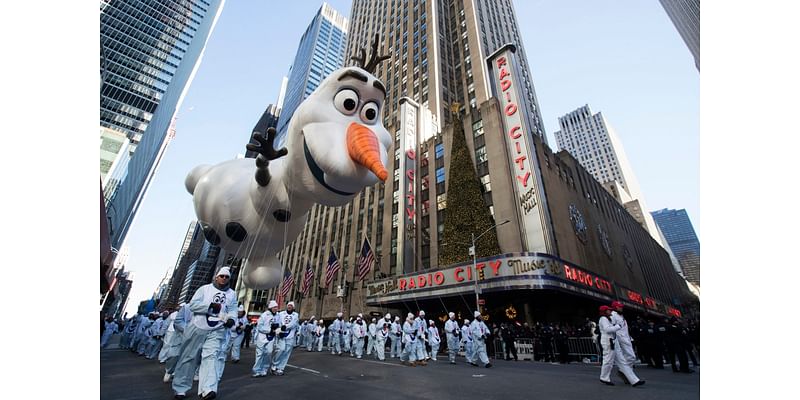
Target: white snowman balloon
x=336 y=146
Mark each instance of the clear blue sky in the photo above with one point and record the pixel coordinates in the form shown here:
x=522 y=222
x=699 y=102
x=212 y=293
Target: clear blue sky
x=623 y=58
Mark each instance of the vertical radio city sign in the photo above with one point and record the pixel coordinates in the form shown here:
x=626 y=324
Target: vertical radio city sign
x=407 y=214
x=524 y=166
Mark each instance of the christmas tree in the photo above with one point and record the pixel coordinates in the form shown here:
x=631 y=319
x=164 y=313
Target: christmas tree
x=466 y=211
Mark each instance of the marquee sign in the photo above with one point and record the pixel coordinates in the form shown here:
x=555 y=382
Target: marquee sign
x=499 y=271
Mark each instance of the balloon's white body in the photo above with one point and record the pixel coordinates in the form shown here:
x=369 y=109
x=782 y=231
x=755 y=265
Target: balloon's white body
x=255 y=222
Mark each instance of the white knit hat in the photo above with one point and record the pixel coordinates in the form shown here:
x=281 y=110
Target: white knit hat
x=272 y=303
x=477 y=314
x=224 y=271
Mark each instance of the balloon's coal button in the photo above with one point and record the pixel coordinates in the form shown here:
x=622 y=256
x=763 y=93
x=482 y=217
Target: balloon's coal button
x=282 y=215
x=210 y=234
x=235 y=231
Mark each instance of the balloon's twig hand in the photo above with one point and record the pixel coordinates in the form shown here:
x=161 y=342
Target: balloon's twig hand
x=266 y=152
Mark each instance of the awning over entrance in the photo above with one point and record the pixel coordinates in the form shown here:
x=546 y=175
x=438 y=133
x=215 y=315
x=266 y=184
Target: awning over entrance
x=510 y=271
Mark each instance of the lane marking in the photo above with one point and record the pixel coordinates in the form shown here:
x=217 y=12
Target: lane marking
x=303 y=369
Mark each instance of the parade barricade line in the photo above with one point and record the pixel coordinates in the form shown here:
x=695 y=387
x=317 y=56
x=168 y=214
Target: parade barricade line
x=583 y=347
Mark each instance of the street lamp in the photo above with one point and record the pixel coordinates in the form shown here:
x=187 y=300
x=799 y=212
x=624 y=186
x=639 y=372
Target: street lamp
x=473 y=253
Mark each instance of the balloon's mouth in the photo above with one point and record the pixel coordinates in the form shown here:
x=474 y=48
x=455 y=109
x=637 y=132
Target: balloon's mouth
x=318 y=173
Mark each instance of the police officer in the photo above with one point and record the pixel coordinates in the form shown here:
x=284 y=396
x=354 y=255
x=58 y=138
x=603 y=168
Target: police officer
x=480 y=334
x=508 y=337
x=675 y=346
x=335 y=335
x=453 y=333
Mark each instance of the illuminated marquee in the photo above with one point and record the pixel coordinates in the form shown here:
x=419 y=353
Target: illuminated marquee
x=507 y=266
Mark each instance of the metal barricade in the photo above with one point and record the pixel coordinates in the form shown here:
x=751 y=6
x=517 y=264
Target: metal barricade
x=524 y=347
x=583 y=347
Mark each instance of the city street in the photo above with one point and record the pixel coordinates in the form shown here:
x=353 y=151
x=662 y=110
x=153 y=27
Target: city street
x=125 y=376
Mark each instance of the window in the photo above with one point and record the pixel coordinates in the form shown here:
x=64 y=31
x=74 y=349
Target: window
x=487 y=186
x=439 y=150
x=480 y=155
x=477 y=128
x=441 y=201
x=440 y=175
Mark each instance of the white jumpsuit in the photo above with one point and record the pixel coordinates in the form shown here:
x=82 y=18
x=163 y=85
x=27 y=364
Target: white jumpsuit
x=608 y=333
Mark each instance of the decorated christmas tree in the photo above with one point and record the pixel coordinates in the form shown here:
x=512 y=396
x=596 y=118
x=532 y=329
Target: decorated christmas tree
x=466 y=212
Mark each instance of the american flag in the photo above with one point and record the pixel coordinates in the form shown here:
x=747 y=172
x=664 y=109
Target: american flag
x=309 y=277
x=365 y=261
x=288 y=282
x=332 y=268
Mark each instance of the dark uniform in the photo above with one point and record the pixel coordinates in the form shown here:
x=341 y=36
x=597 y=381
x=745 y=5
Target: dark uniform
x=508 y=338
x=653 y=345
x=547 y=344
x=675 y=347
x=562 y=345
x=248 y=334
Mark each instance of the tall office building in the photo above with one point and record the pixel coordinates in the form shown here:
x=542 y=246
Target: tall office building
x=438 y=51
x=594 y=143
x=680 y=235
x=321 y=51
x=150 y=50
x=561 y=249
x=685 y=15
x=190 y=250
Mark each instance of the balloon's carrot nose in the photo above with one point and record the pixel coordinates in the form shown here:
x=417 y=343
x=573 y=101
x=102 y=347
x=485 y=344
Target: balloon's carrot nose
x=363 y=147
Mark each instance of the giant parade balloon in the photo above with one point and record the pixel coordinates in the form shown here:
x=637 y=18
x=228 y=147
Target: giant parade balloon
x=336 y=145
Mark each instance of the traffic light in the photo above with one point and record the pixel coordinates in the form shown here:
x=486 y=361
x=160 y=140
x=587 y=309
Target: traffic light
x=480 y=274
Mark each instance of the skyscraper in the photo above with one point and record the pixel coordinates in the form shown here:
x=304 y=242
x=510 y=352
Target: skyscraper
x=438 y=51
x=190 y=250
x=321 y=51
x=594 y=143
x=150 y=51
x=685 y=15
x=680 y=235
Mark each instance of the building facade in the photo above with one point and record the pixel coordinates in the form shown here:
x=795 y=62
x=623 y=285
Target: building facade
x=591 y=139
x=437 y=51
x=680 y=235
x=149 y=53
x=191 y=248
x=321 y=51
x=685 y=15
x=569 y=244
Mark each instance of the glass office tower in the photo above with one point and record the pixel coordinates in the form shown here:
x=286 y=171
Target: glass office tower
x=150 y=50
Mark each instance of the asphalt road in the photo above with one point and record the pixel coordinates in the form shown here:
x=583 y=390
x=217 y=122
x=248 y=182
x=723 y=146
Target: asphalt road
x=125 y=376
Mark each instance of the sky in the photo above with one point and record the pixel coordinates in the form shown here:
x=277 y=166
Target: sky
x=622 y=58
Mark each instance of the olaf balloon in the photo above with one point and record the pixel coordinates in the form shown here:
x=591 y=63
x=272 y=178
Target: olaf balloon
x=336 y=146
